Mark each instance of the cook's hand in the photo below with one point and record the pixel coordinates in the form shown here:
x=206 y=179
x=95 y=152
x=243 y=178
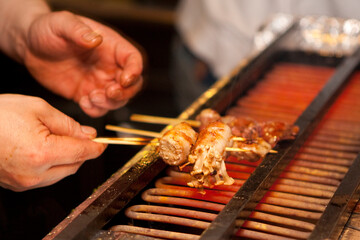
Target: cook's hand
x=83 y=60
x=39 y=144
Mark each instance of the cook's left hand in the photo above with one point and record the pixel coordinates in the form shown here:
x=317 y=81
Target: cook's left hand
x=83 y=60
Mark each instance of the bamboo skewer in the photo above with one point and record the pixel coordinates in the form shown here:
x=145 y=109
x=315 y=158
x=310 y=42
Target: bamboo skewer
x=162 y=120
x=123 y=141
x=129 y=141
x=133 y=131
x=241 y=139
x=117 y=141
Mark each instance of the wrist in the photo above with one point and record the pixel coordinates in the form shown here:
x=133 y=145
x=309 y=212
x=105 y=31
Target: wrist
x=16 y=17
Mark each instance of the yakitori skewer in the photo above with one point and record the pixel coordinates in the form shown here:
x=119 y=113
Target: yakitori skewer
x=140 y=141
x=243 y=129
x=167 y=120
x=129 y=141
x=182 y=145
x=144 y=141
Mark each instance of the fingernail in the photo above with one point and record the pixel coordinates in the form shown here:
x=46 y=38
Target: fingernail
x=129 y=81
x=89 y=131
x=115 y=94
x=91 y=36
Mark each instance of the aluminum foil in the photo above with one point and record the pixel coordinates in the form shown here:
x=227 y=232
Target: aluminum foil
x=322 y=34
x=271 y=30
x=328 y=35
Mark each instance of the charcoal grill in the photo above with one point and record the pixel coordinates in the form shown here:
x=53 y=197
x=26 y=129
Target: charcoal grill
x=309 y=189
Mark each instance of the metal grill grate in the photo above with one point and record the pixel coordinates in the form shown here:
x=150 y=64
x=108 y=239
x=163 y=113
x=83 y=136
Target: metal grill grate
x=294 y=203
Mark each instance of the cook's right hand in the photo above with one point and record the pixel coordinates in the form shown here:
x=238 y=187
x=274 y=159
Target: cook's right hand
x=39 y=144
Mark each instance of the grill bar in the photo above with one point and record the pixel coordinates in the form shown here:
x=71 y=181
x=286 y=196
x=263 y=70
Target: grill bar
x=337 y=211
x=253 y=189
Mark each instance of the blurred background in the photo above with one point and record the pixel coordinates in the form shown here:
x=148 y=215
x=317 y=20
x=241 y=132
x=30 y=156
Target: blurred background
x=149 y=24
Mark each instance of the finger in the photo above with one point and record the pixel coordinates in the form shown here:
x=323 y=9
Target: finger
x=85 y=103
x=90 y=109
x=116 y=92
x=99 y=99
x=59 y=150
x=73 y=29
x=132 y=66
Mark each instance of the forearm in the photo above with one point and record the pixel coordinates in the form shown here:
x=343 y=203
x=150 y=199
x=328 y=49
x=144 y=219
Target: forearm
x=16 y=17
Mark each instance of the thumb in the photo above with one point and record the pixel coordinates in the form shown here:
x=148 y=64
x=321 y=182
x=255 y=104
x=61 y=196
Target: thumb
x=68 y=141
x=73 y=29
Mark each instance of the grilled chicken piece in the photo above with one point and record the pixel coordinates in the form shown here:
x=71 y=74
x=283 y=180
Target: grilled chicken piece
x=208 y=156
x=270 y=131
x=273 y=132
x=175 y=144
x=207 y=116
x=257 y=150
x=260 y=137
